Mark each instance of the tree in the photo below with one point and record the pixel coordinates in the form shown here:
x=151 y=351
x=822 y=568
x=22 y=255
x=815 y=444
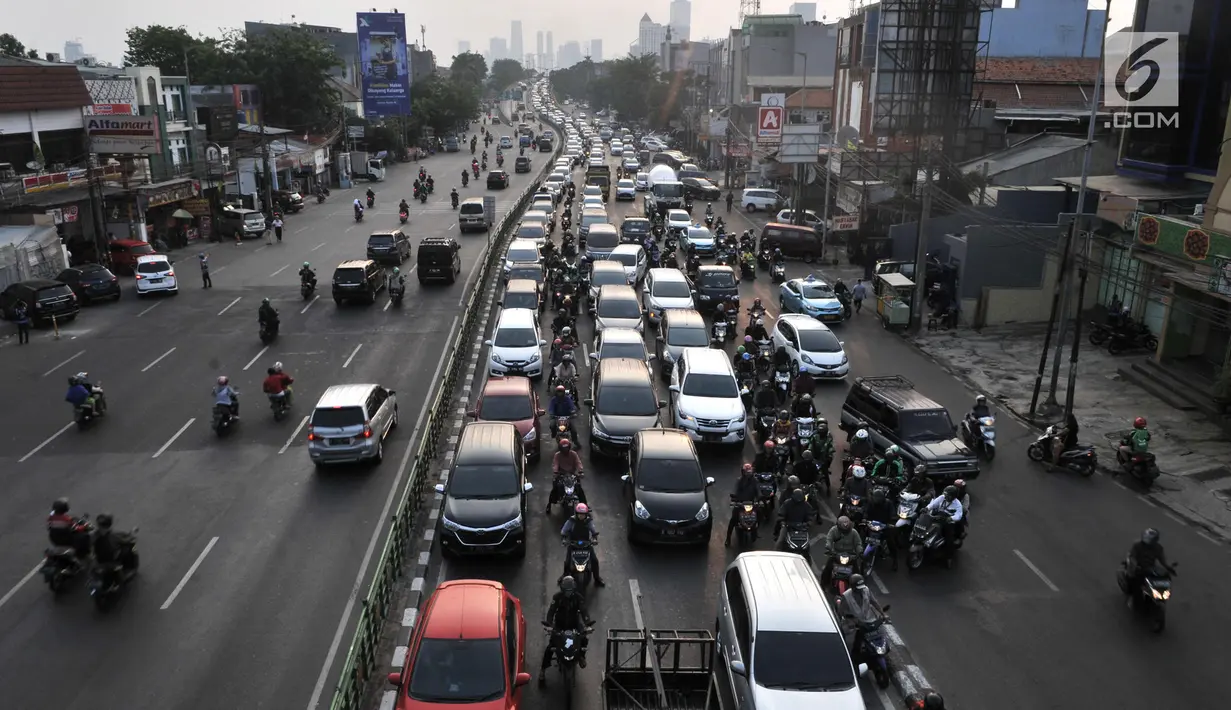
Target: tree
x=163 y=47
x=442 y=104
x=469 y=68
x=505 y=73
x=11 y=46
x=291 y=67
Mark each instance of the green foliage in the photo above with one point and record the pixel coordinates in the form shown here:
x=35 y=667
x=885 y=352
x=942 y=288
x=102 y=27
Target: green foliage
x=442 y=104
x=469 y=69
x=164 y=47
x=633 y=86
x=505 y=73
x=12 y=47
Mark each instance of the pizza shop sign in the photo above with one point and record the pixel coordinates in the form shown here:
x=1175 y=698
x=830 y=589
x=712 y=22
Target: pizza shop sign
x=1181 y=239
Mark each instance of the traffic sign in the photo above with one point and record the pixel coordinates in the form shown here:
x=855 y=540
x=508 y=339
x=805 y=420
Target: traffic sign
x=844 y=223
x=769 y=121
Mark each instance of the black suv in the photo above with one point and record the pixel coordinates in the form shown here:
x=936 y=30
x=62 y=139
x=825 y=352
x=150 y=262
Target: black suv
x=716 y=284
x=895 y=413
x=44 y=299
x=497 y=179
x=634 y=229
x=700 y=188
x=440 y=259
x=521 y=165
x=360 y=279
x=624 y=403
x=392 y=246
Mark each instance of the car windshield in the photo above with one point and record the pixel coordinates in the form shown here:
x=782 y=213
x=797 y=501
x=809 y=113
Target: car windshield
x=152 y=267
x=925 y=425
x=608 y=278
x=635 y=226
x=457 y=671
x=643 y=176
x=531 y=230
x=533 y=273
x=618 y=308
x=506 y=408
x=380 y=240
x=337 y=417
x=797 y=660
x=515 y=338
x=819 y=341
x=817 y=291
x=609 y=350
x=140 y=250
x=528 y=301
x=94 y=271
x=718 y=279
x=523 y=254
x=669 y=189
x=625 y=258
x=700 y=235
x=626 y=401
x=688 y=338
x=348 y=276
x=671 y=289
x=700 y=384
x=602 y=239
x=669 y=476
x=624 y=183
x=678 y=216
x=484 y=481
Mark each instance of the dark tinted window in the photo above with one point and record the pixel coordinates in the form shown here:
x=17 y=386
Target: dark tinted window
x=795 y=660
x=480 y=481
x=602 y=239
x=635 y=226
x=457 y=671
x=688 y=337
x=624 y=258
x=618 y=308
x=531 y=231
x=669 y=475
x=533 y=273
x=925 y=425
x=138 y=250
x=338 y=417
x=521 y=300
x=152 y=267
x=718 y=279
x=435 y=254
x=613 y=350
x=819 y=341
x=94 y=272
x=626 y=401
x=348 y=276
x=700 y=384
x=671 y=289
x=506 y=408
x=380 y=240
x=53 y=292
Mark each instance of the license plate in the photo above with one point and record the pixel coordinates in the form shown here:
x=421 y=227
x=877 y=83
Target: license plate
x=434 y=271
x=711 y=437
x=841 y=569
x=671 y=532
x=339 y=442
x=155 y=281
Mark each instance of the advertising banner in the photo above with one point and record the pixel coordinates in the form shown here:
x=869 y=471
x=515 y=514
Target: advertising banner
x=385 y=64
x=123 y=134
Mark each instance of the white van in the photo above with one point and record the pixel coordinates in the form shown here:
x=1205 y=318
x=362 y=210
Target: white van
x=471 y=215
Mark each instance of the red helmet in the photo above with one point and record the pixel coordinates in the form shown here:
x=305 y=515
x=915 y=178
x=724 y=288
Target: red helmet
x=1139 y=423
x=769 y=445
x=960 y=483
x=565 y=444
x=747 y=468
x=557 y=342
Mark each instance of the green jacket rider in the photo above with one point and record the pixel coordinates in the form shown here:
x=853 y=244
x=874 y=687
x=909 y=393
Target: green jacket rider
x=891 y=466
x=822 y=443
x=1139 y=438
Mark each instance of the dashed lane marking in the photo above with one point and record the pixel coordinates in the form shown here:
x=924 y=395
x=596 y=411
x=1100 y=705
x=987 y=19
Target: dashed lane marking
x=294 y=435
x=255 y=358
x=188 y=575
x=1038 y=572
x=232 y=303
x=173 y=438
x=65 y=362
x=352 y=356
x=46 y=441
x=305 y=308
x=157 y=360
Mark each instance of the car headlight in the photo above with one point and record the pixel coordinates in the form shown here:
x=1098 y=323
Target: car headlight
x=703 y=514
x=845 y=359
x=449 y=524
x=737 y=421
x=530 y=435
x=807 y=360
x=640 y=511
x=514 y=524
x=535 y=357
x=686 y=417
x=704 y=297
x=496 y=358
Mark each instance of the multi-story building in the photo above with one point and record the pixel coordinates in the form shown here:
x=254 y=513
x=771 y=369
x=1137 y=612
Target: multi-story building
x=463 y=47
x=570 y=54
x=680 y=20
x=515 y=41
x=540 y=60
x=805 y=10
x=497 y=49
x=650 y=36
x=596 y=50
x=551 y=52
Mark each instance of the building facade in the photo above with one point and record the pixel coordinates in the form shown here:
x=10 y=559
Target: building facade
x=650 y=36
x=680 y=20
x=516 y=50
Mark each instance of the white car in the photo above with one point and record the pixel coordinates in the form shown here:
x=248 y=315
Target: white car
x=665 y=288
x=592 y=191
x=632 y=257
x=621 y=342
x=516 y=347
x=506 y=143
x=154 y=273
x=555 y=183
x=755 y=198
x=617 y=148
x=591 y=202
x=652 y=143
x=678 y=219
x=581 y=115
x=705 y=399
x=642 y=182
x=811 y=219
x=701 y=238
x=813 y=347
x=626 y=190
x=522 y=251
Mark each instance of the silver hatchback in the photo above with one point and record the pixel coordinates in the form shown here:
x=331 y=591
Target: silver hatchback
x=349 y=424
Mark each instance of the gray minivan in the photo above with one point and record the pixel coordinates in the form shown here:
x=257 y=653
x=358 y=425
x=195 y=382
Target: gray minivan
x=681 y=328
x=600 y=241
x=349 y=424
x=589 y=218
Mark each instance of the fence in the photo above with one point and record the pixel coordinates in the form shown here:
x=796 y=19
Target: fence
x=362 y=660
x=37 y=256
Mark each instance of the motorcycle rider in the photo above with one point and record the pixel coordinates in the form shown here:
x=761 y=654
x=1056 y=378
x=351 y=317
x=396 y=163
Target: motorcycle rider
x=453 y=197
x=822 y=444
x=561 y=321
x=358 y=207
x=746 y=491
x=859 y=446
x=977 y=412
x=859 y=605
x=925 y=700
x=465 y=178
x=1137 y=441
x=277 y=383
x=764 y=402
x=267 y=315
x=567 y=612
x=881 y=509
x=891 y=467
x=431 y=184
x=807 y=470
x=778 y=259
x=782 y=359
x=756 y=329
x=749 y=261
x=563 y=463
x=920 y=484
x=1065 y=439
x=371 y=196
x=403 y=206
x=80 y=395
x=794 y=511
x=948 y=506
x=112 y=548
x=580 y=528
x=842 y=539
x=857 y=482
x=307 y=275
x=804 y=383
x=1142 y=557
x=745 y=366
x=398 y=282
x=567 y=338
x=64 y=530
x=802 y=407
x=765 y=461
x=783 y=426
x=566 y=371
x=561 y=404
x=226 y=395
x=963 y=497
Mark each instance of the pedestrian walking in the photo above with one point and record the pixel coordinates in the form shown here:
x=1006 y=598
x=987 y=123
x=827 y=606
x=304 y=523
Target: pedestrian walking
x=21 y=316
x=278 y=227
x=239 y=237
x=730 y=199
x=859 y=293
x=206 y=281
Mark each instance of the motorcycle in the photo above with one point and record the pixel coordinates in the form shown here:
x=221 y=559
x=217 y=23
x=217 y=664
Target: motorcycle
x=1141 y=467
x=320 y=197
x=873 y=544
x=223 y=420
x=732 y=321
x=777 y=273
x=371 y=201
x=1136 y=338
x=709 y=220
x=798 y=541
x=764 y=258
x=569 y=497
x=718 y=334
x=60 y=564
x=566 y=650
x=767 y=495
x=746 y=385
x=268 y=331
x=1080 y=459
x=782 y=452
x=423 y=197
x=853 y=507
x=874 y=649
x=765 y=355
x=94 y=408
x=909 y=505
x=986 y=444
x=359 y=215
x=107 y=581
x=563 y=430
x=280 y=403
x=579 y=555
x=840 y=575
x=403 y=217
x=805 y=428
x=306 y=288
x=1152 y=596
x=782 y=385
x=927 y=537
x=746 y=522
x=396 y=293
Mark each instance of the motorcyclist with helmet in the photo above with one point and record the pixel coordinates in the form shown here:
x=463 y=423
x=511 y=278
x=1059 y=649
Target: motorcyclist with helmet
x=580 y=528
x=764 y=402
x=782 y=359
x=949 y=508
x=783 y=426
x=795 y=510
x=842 y=539
x=804 y=383
x=397 y=284
x=920 y=484
x=745 y=366
x=881 y=509
x=925 y=700
x=454 y=197
x=861 y=607
x=113 y=549
x=561 y=404
x=277 y=383
x=566 y=371
x=567 y=612
x=267 y=315
x=822 y=444
x=765 y=461
x=746 y=491
x=1138 y=440
x=802 y=407
x=565 y=462
x=403 y=206
x=857 y=482
x=978 y=412
x=891 y=468
x=1142 y=558
x=859 y=445
x=720 y=316
x=226 y=396
x=561 y=321
x=66 y=530
x=738 y=357
x=82 y=394
x=756 y=329
x=567 y=338
x=963 y=497
x=307 y=275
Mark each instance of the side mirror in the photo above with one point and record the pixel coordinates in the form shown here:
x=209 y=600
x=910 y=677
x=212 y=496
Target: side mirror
x=440 y=488
x=709 y=480
x=885 y=608
x=588 y=402
x=842 y=343
x=500 y=303
x=738 y=668
x=650 y=356
x=522 y=679
x=487 y=343
x=395 y=679
x=527 y=487
x=662 y=403
x=473 y=413
x=540 y=412
x=674 y=388
x=863 y=669
x=542 y=343
x=626 y=478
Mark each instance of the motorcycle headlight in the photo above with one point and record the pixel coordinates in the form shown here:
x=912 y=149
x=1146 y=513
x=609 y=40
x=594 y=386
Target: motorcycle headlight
x=902 y=515
x=640 y=511
x=844 y=559
x=704 y=297
x=703 y=514
x=514 y=524
x=449 y=524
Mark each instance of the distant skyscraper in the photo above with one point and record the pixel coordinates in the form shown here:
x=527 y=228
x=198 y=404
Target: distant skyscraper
x=540 y=61
x=650 y=36
x=596 y=50
x=515 y=44
x=806 y=10
x=498 y=49
x=463 y=46
x=570 y=54
x=551 y=51
x=681 y=20
x=73 y=51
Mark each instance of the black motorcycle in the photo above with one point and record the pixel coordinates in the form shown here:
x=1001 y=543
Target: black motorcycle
x=874 y=648
x=580 y=554
x=799 y=541
x=223 y=420
x=767 y=495
x=107 y=581
x=306 y=288
x=423 y=197
x=396 y=293
x=280 y=404
x=1141 y=467
x=1136 y=337
x=1151 y=596
x=371 y=201
x=403 y=216
x=1080 y=459
x=746 y=523
x=566 y=652
x=873 y=544
x=268 y=331
x=927 y=539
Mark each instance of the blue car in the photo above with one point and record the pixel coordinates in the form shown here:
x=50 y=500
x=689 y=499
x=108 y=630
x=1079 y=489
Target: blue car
x=812 y=297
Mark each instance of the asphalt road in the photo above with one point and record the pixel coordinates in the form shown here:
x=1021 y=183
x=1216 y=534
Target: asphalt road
x=249 y=555
x=661 y=588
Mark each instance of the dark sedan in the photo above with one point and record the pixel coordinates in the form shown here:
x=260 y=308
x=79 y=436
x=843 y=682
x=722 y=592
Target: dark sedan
x=497 y=179
x=91 y=282
x=666 y=492
x=701 y=189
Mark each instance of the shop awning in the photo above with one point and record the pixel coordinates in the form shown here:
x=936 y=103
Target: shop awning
x=182 y=214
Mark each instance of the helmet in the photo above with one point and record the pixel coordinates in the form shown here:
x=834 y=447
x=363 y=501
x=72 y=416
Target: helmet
x=933 y=701
x=858 y=471
x=756 y=302
x=746 y=356
x=568 y=356
x=222 y=381
x=959 y=484
x=306 y=265
x=566 y=330
x=565 y=444
x=73 y=381
x=765 y=384
x=807 y=455
x=741 y=350
x=950 y=492
x=265 y=301
x=857 y=580
x=862 y=434
x=747 y=468
x=561 y=312
x=747 y=339
x=568 y=585
x=559 y=389
x=769 y=444
x=844 y=523
x=396 y=271
x=60 y=506
x=980 y=400
x=271 y=371
x=582 y=509
x=892 y=450
x=557 y=342
x=278 y=366
x=722 y=307
x=797 y=495
x=921 y=470
x=104 y=520
x=1139 y=423
x=784 y=415
x=792 y=481
x=1149 y=537
x=807 y=398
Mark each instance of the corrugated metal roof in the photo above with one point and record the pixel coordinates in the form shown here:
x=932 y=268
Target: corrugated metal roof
x=1031 y=150
x=33 y=88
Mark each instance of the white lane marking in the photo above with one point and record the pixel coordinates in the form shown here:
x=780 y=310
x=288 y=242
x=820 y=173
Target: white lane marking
x=62 y=364
x=279 y=271
x=880 y=584
x=173 y=438
x=1206 y=537
x=232 y=303
x=261 y=248
x=156 y=305
x=188 y=575
x=305 y=308
x=294 y=435
x=881 y=696
x=388 y=699
x=218 y=270
x=451 y=226
x=255 y=358
x=585 y=353
x=46 y=441
x=297 y=231
x=318 y=246
x=1173 y=518
x=17 y=587
x=352 y=356
x=1038 y=573
x=157 y=360
x=350 y=227
x=388 y=302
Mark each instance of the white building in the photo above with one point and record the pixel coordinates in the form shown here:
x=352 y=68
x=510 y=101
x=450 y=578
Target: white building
x=515 y=43
x=596 y=50
x=73 y=51
x=570 y=54
x=463 y=47
x=681 y=20
x=650 y=36
x=497 y=49
x=551 y=52
x=806 y=11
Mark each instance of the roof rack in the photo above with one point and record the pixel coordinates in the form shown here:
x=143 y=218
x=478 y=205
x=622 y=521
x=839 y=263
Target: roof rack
x=885 y=382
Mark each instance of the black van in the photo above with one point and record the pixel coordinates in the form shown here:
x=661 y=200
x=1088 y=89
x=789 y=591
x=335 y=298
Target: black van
x=440 y=259
x=634 y=229
x=794 y=240
x=485 y=497
x=716 y=284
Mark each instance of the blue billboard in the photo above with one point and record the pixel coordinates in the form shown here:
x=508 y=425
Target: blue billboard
x=384 y=64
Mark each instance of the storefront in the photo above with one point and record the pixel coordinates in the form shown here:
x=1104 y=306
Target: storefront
x=165 y=218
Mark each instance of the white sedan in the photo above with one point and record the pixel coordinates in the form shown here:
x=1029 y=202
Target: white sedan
x=678 y=219
x=811 y=219
x=617 y=148
x=626 y=190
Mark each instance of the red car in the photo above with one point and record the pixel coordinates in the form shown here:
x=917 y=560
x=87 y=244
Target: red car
x=124 y=253
x=468 y=650
x=513 y=400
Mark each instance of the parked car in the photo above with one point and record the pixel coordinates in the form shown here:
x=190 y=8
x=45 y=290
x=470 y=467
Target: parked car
x=91 y=282
x=756 y=198
x=124 y=253
x=45 y=299
x=701 y=189
x=289 y=201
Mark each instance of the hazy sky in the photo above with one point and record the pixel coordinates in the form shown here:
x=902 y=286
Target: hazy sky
x=100 y=27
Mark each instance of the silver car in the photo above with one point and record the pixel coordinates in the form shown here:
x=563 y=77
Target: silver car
x=350 y=423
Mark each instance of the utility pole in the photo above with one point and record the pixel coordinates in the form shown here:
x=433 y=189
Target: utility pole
x=797 y=209
x=269 y=182
x=828 y=175
x=921 y=252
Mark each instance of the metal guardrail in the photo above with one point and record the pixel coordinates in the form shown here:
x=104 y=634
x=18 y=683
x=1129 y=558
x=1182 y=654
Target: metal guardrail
x=362 y=659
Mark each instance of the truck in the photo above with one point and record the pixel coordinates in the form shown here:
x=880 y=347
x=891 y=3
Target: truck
x=666 y=192
x=364 y=165
x=653 y=668
x=600 y=174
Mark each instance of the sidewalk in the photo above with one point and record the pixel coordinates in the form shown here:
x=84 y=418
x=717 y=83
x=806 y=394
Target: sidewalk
x=1193 y=453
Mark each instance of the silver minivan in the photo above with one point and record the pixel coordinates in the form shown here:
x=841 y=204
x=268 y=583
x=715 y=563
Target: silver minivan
x=681 y=328
x=589 y=218
x=601 y=240
x=618 y=307
x=604 y=273
x=349 y=424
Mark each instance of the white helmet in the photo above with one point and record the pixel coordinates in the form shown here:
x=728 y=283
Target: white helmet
x=861 y=434
x=858 y=471
x=277 y=367
x=83 y=375
x=222 y=380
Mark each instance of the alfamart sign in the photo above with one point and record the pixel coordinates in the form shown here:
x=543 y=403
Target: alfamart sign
x=123 y=134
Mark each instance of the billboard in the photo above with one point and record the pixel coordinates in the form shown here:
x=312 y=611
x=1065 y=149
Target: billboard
x=384 y=64
x=123 y=134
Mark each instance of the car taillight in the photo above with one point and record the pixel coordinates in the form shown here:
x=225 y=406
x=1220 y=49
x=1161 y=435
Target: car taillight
x=311 y=435
x=367 y=430
x=170 y=274
x=139 y=277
